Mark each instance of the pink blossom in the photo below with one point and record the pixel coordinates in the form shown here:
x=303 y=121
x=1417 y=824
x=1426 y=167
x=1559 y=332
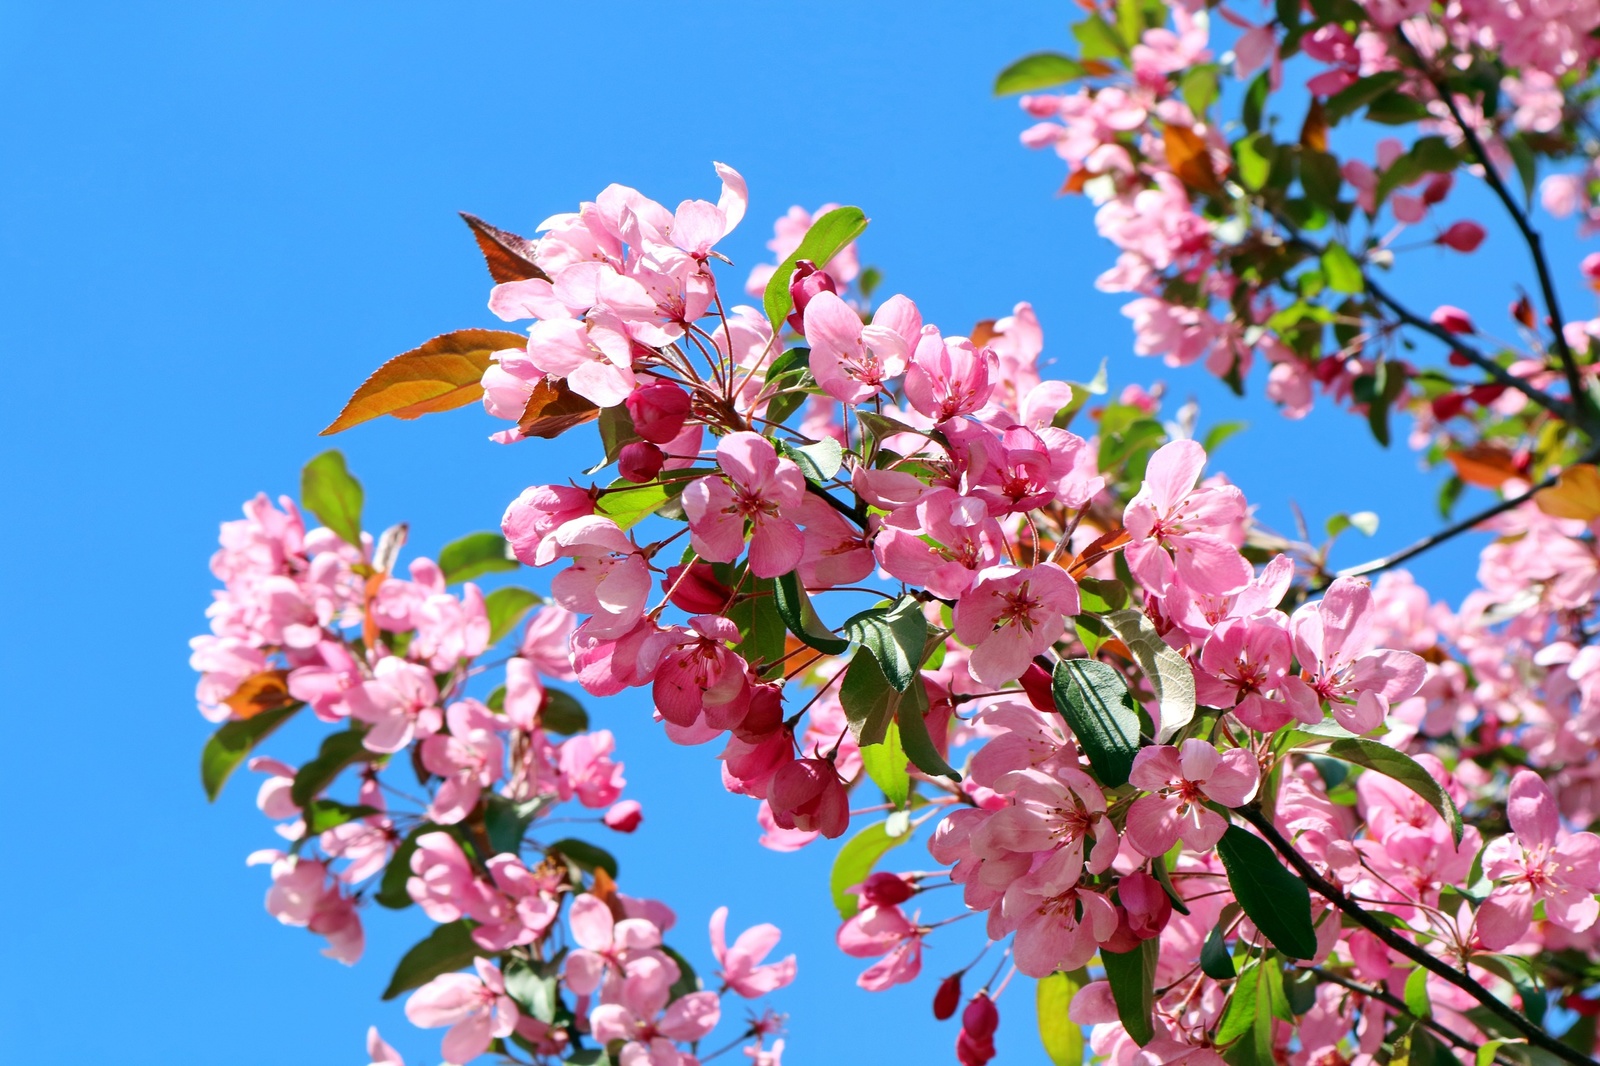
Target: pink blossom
x=742 y=968
x=1538 y=862
x=624 y=817
x=475 y=1007
x=1180 y=780
x=758 y=487
x=1169 y=510
x=302 y=894
x=605 y=945
x=642 y=1017
x=609 y=579
x=379 y=1052
x=699 y=677
x=941 y=542
x=1333 y=641
x=852 y=361
x=400 y=699
x=806 y=794
x=1011 y=615
x=469 y=759
x=532 y=519
x=949 y=376
x=883 y=929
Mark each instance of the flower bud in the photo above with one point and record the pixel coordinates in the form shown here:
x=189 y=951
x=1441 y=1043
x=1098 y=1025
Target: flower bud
x=765 y=716
x=1448 y=406
x=658 y=411
x=640 y=462
x=1036 y=683
x=1146 y=904
x=975 y=1044
x=1590 y=267
x=1458 y=359
x=624 y=817
x=1522 y=311
x=698 y=593
x=1437 y=188
x=884 y=889
x=947 y=997
x=1452 y=319
x=1462 y=236
x=806 y=283
x=1484 y=395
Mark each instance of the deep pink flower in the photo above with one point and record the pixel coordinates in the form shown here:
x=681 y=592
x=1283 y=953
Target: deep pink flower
x=806 y=794
x=699 y=677
x=1011 y=615
x=941 y=542
x=949 y=376
x=1333 y=641
x=1181 y=780
x=758 y=487
x=659 y=411
x=1169 y=510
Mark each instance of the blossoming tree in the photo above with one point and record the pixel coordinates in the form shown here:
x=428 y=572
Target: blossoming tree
x=1218 y=801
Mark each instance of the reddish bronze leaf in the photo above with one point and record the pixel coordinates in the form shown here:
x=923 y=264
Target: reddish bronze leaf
x=983 y=333
x=441 y=375
x=1483 y=464
x=1103 y=546
x=508 y=256
x=1314 y=131
x=553 y=409
x=1189 y=159
x=266 y=691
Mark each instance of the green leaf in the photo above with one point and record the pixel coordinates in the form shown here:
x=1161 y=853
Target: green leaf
x=1215 y=961
x=1275 y=899
x=794 y=607
x=1352 y=98
x=562 y=714
x=1133 y=979
x=446 y=950
x=338 y=751
x=535 y=993
x=628 y=504
x=1255 y=101
x=1254 y=156
x=324 y=814
x=895 y=636
x=1221 y=433
x=854 y=864
x=818 y=462
x=1101 y=714
x=1170 y=678
x=828 y=234
x=1199 y=86
x=328 y=491
x=232 y=742
x=1061 y=1036
x=1341 y=270
x=1097 y=39
x=1240 y=1015
x=885 y=763
x=392 y=889
x=868 y=699
x=505 y=821
x=585 y=855
x=474 y=555
x=505 y=608
x=1416 y=996
x=1380 y=758
x=616 y=432
x=1042 y=70
x=914 y=736
x=761 y=627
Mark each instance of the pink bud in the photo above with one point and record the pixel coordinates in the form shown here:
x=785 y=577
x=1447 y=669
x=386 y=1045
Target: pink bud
x=1437 y=188
x=1036 y=683
x=975 y=1045
x=1452 y=319
x=658 y=411
x=1147 y=904
x=1448 y=406
x=1462 y=236
x=640 y=462
x=884 y=889
x=807 y=795
x=947 y=997
x=1590 y=267
x=698 y=593
x=624 y=817
x=806 y=283
x=765 y=716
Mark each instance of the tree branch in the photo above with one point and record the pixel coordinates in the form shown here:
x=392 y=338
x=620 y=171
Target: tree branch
x=1400 y=945
x=1397 y=1005
x=1530 y=236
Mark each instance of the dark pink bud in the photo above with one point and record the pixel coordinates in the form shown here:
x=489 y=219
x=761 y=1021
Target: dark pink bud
x=1036 y=683
x=640 y=462
x=884 y=889
x=658 y=411
x=1484 y=395
x=748 y=766
x=948 y=997
x=1452 y=319
x=1437 y=188
x=698 y=593
x=765 y=716
x=1462 y=236
x=1146 y=903
x=1590 y=267
x=624 y=817
x=807 y=795
x=1448 y=406
x=806 y=282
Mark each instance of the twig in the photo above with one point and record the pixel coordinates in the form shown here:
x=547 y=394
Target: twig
x=1398 y=1006
x=1438 y=967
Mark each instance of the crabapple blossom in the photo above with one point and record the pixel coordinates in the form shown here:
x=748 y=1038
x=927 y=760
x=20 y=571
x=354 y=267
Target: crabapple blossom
x=1180 y=780
x=475 y=1007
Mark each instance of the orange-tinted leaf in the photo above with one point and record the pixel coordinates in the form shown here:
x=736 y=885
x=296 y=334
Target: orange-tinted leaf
x=1576 y=494
x=553 y=409
x=439 y=376
x=1314 y=131
x=1484 y=464
x=1097 y=68
x=1189 y=159
x=508 y=256
x=1104 y=545
x=1522 y=311
x=983 y=333
x=266 y=691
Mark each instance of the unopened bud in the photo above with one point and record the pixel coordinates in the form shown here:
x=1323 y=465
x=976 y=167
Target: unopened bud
x=1036 y=683
x=948 y=997
x=1462 y=236
x=699 y=592
x=1452 y=319
x=806 y=282
x=658 y=411
x=1437 y=188
x=640 y=462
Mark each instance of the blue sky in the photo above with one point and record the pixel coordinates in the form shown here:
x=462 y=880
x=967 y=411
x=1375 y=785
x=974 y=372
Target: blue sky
x=218 y=219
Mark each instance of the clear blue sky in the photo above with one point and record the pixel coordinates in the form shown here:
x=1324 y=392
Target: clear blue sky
x=218 y=218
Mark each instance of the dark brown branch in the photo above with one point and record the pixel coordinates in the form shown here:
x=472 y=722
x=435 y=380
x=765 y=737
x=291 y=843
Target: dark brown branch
x=1530 y=236
x=1397 y=1005
x=1400 y=945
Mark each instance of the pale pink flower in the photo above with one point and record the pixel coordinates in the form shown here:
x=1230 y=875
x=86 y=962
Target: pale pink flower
x=642 y=1017
x=1180 y=780
x=605 y=945
x=883 y=929
x=587 y=771
x=742 y=968
x=303 y=894
x=609 y=578
x=379 y=1052
x=948 y=376
x=532 y=518
x=1011 y=615
x=852 y=361
x=399 y=701
x=1333 y=642
x=1538 y=862
x=964 y=541
x=469 y=759
x=475 y=1007
x=1170 y=511
x=758 y=487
